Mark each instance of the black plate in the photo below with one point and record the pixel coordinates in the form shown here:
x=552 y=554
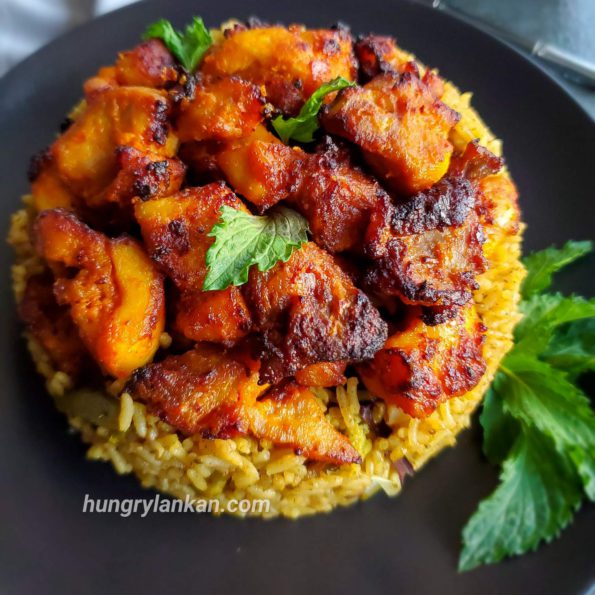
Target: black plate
x=406 y=545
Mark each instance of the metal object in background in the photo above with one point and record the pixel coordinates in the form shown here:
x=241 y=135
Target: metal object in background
x=573 y=67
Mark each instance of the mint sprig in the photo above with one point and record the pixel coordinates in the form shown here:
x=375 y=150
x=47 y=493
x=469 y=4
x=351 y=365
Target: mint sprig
x=243 y=240
x=538 y=424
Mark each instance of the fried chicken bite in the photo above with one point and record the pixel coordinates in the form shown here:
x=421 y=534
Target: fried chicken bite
x=290 y=62
x=51 y=325
x=308 y=311
x=216 y=393
x=401 y=128
x=175 y=231
x=421 y=366
x=85 y=155
x=223 y=109
x=115 y=295
x=427 y=250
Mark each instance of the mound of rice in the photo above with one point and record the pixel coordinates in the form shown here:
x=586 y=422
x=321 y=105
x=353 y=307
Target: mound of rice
x=121 y=431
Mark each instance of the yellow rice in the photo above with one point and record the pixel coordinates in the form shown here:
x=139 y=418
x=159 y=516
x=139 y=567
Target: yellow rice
x=123 y=433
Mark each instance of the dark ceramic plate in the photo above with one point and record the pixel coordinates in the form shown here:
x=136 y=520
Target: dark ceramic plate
x=406 y=545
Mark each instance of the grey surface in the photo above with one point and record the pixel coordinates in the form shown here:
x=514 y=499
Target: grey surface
x=570 y=24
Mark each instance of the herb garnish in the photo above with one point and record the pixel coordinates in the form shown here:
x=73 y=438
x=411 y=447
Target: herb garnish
x=538 y=424
x=188 y=46
x=305 y=124
x=243 y=240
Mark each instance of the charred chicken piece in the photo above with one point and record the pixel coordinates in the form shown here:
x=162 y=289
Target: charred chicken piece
x=224 y=109
x=51 y=325
x=325 y=374
x=400 y=126
x=421 y=366
x=291 y=63
x=144 y=175
x=114 y=293
x=428 y=250
x=337 y=198
x=149 y=64
x=379 y=54
x=308 y=311
x=217 y=393
x=175 y=231
x=85 y=155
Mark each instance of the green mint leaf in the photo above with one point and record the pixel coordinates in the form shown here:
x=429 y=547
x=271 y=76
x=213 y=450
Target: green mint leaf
x=537 y=497
x=243 y=240
x=573 y=348
x=188 y=46
x=305 y=124
x=543 y=264
x=543 y=314
x=541 y=397
x=500 y=429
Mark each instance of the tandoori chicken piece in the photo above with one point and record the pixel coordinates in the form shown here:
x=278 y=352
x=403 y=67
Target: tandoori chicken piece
x=85 y=155
x=400 y=126
x=216 y=393
x=113 y=290
x=308 y=311
x=51 y=325
x=175 y=231
x=261 y=168
x=421 y=366
x=224 y=109
x=291 y=63
x=428 y=250
x=47 y=188
x=149 y=64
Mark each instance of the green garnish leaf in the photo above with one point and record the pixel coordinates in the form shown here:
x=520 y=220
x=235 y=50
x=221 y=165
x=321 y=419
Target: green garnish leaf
x=541 y=397
x=500 y=430
x=537 y=422
x=537 y=497
x=543 y=264
x=543 y=314
x=243 y=240
x=305 y=124
x=188 y=46
x=573 y=348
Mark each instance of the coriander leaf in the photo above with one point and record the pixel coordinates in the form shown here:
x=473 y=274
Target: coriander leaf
x=542 y=397
x=189 y=46
x=573 y=348
x=500 y=429
x=243 y=240
x=543 y=264
x=536 y=499
x=543 y=314
x=305 y=124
